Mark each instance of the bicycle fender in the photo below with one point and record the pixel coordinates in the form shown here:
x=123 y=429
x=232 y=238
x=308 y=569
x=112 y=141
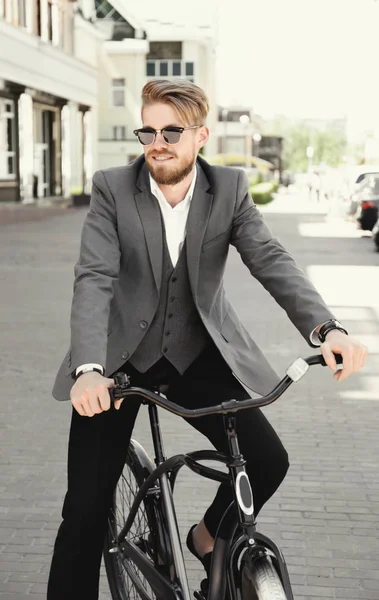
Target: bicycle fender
x=141 y=458
x=279 y=562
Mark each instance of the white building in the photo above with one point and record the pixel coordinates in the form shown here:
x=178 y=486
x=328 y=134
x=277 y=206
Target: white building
x=48 y=98
x=137 y=50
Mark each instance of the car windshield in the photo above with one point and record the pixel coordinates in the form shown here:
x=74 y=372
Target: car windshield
x=370 y=186
x=362 y=178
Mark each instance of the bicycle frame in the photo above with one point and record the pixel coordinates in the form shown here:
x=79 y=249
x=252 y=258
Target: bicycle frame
x=240 y=514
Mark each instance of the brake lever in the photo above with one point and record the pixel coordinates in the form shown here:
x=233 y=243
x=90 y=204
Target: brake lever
x=122 y=385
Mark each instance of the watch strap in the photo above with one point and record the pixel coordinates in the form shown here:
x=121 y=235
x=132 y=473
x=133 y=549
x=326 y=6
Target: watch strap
x=330 y=326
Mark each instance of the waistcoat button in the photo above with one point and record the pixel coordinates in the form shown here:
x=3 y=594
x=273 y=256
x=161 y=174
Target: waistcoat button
x=143 y=324
x=125 y=355
x=174 y=279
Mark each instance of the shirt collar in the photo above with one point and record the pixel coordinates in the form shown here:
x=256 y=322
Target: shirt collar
x=155 y=189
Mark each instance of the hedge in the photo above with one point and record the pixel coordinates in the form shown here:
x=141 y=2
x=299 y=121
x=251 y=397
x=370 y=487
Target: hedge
x=262 y=193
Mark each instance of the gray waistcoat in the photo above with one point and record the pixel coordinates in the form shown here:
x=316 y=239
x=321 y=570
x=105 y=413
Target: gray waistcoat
x=176 y=331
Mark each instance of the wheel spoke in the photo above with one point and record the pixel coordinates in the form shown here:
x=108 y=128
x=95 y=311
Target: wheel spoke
x=130 y=579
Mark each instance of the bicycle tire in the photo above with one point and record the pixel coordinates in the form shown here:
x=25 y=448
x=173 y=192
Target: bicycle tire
x=260 y=581
x=125 y=580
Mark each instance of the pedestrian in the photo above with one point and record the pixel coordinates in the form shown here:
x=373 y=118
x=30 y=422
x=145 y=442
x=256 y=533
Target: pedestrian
x=149 y=300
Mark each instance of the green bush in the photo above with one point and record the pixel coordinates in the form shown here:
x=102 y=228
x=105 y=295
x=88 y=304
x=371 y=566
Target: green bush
x=262 y=193
x=255 y=179
x=76 y=191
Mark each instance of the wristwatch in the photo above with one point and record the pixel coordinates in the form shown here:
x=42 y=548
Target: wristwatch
x=329 y=326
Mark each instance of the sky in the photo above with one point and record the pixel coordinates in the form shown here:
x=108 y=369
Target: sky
x=299 y=57
x=302 y=58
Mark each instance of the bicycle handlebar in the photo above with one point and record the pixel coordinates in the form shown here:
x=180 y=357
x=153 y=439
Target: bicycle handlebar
x=294 y=373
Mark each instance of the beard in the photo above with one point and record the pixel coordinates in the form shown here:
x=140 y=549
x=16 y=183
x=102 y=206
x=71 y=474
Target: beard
x=166 y=174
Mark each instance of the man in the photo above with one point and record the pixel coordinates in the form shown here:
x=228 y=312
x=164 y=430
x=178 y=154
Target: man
x=149 y=299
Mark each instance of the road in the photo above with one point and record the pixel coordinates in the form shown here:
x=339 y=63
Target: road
x=325 y=515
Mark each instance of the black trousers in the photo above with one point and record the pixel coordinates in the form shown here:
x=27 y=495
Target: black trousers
x=96 y=456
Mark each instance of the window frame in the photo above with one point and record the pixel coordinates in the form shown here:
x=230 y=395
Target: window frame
x=118 y=88
x=6 y=154
x=116 y=138
x=170 y=62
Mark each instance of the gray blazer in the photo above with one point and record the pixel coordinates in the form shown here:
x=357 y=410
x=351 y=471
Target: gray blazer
x=118 y=274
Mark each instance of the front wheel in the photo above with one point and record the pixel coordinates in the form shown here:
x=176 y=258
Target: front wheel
x=260 y=581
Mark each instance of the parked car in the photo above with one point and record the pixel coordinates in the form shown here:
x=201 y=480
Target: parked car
x=360 y=182
x=368 y=203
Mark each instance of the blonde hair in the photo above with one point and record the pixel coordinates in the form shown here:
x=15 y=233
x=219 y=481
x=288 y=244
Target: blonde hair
x=188 y=99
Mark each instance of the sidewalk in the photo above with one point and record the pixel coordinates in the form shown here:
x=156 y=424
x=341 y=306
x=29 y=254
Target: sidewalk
x=297 y=201
x=15 y=212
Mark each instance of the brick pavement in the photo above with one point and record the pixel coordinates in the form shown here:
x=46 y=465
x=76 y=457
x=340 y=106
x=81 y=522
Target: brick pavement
x=15 y=213
x=325 y=516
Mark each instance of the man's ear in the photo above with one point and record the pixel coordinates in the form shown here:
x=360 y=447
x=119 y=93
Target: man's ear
x=204 y=136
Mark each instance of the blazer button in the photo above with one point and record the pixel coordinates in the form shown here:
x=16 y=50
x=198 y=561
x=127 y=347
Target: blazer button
x=125 y=355
x=143 y=324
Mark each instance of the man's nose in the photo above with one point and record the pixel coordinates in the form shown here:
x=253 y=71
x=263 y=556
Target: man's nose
x=159 y=141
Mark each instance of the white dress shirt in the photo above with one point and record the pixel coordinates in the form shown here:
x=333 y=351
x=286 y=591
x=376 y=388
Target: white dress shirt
x=174 y=217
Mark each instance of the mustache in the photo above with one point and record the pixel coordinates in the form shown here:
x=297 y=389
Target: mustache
x=163 y=154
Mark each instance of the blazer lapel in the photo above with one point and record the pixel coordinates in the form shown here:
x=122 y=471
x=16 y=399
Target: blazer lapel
x=198 y=217
x=150 y=215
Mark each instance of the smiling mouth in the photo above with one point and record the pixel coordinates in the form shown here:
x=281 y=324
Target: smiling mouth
x=162 y=159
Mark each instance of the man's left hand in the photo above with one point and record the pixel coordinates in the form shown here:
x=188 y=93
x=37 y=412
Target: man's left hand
x=353 y=353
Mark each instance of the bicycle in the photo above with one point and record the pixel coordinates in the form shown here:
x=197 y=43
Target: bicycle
x=142 y=551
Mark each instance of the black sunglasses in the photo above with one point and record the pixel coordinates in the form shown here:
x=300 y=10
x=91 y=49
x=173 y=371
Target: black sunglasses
x=171 y=134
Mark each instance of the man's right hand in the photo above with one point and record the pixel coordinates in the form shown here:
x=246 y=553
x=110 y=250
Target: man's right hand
x=90 y=396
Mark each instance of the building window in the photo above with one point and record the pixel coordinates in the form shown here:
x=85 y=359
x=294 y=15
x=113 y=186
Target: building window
x=119 y=132
x=163 y=70
x=150 y=69
x=165 y=51
x=7 y=140
x=54 y=19
x=118 y=93
x=54 y=22
x=22 y=13
x=170 y=68
x=189 y=69
x=105 y=10
x=177 y=69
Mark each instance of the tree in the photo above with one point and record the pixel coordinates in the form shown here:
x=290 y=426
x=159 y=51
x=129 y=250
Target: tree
x=329 y=143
